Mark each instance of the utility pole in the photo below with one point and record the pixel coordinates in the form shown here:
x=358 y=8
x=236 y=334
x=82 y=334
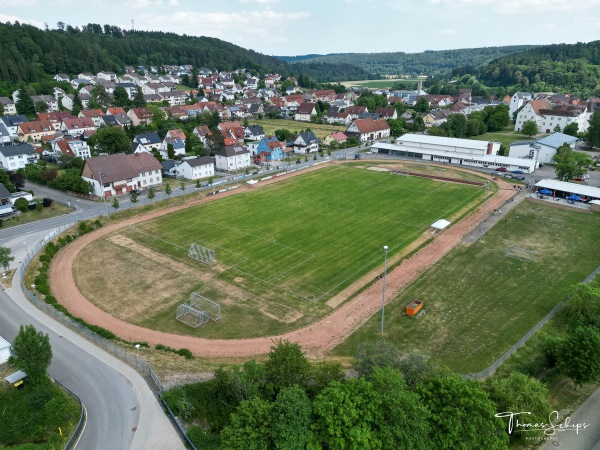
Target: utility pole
x=102 y=191
x=385 y=251
x=484 y=208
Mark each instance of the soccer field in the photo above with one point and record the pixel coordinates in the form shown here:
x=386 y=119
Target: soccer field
x=313 y=234
x=281 y=251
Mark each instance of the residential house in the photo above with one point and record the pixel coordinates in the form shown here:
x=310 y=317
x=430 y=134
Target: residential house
x=77 y=126
x=107 y=76
x=71 y=147
x=254 y=132
x=341 y=118
x=270 y=149
x=33 y=131
x=203 y=133
x=114 y=111
x=120 y=173
x=49 y=100
x=232 y=130
x=305 y=112
x=335 y=138
x=368 y=129
x=175 y=138
x=14 y=157
x=130 y=88
x=12 y=123
x=517 y=101
x=436 y=118
x=62 y=77
x=139 y=116
x=174 y=97
x=55 y=118
x=10 y=108
x=306 y=143
x=5 y=137
x=232 y=158
x=355 y=111
x=387 y=113
x=94 y=114
x=150 y=141
x=559 y=116
x=196 y=168
x=531 y=112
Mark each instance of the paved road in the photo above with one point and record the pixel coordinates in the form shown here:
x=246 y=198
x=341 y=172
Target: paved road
x=43 y=191
x=122 y=410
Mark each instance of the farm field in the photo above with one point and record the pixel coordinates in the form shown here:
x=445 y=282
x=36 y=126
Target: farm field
x=479 y=302
x=270 y=125
x=282 y=251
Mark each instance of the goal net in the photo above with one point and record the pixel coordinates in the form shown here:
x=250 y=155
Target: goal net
x=202 y=254
x=513 y=251
x=553 y=221
x=211 y=309
x=406 y=173
x=191 y=316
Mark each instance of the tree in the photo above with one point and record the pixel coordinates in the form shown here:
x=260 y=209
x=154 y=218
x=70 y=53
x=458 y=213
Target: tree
x=570 y=164
x=572 y=129
x=120 y=97
x=593 y=132
x=111 y=140
x=6 y=258
x=249 y=428
x=170 y=151
x=151 y=194
x=32 y=353
x=578 y=357
x=518 y=392
x=529 y=128
x=405 y=420
x=25 y=104
x=290 y=419
x=283 y=134
x=396 y=127
x=115 y=203
x=287 y=366
x=133 y=197
x=1 y=109
x=183 y=186
x=41 y=107
x=77 y=104
x=462 y=416
x=22 y=204
x=422 y=105
x=138 y=100
x=347 y=415
x=17 y=179
x=456 y=125
x=168 y=189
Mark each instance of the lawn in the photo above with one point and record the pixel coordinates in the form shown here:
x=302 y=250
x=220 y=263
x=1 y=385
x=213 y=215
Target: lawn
x=33 y=216
x=479 y=302
x=282 y=251
x=270 y=125
x=386 y=84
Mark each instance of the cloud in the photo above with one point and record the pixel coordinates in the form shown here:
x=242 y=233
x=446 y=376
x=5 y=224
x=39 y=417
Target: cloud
x=262 y=2
x=520 y=6
x=18 y=4
x=8 y=18
x=446 y=31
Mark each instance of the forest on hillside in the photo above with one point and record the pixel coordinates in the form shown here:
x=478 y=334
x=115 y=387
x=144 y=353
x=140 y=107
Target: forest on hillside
x=29 y=54
x=431 y=62
x=559 y=68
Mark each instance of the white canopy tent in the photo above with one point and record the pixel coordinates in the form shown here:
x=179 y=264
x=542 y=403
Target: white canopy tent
x=439 y=225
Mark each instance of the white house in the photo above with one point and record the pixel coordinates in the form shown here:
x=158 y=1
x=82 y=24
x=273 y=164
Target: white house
x=4 y=350
x=71 y=147
x=517 y=100
x=13 y=157
x=196 y=168
x=108 y=76
x=120 y=173
x=306 y=143
x=9 y=106
x=232 y=158
x=368 y=129
x=49 y=100
x=305 y=112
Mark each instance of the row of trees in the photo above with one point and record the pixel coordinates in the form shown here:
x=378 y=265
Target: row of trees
x=490 y=119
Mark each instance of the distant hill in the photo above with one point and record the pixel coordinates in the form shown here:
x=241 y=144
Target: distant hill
x=561 y=67
x=431 y=62
x=29 y=54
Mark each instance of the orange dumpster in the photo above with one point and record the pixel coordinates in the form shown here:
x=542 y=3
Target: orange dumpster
x=414 y=307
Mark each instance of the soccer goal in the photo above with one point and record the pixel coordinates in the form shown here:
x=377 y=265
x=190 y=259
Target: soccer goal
x=203 y=254
x=514 y=251
x=554 y=221
x=405 y=173
x=211 y=309
x=191 y=316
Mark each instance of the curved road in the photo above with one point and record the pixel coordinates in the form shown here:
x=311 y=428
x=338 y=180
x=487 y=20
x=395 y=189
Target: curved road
x=122 y=410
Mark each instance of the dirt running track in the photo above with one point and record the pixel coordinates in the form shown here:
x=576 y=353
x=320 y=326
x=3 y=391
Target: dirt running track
x=315 y=339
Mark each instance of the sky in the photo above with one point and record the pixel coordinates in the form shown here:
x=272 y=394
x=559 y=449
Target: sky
x=294 y=27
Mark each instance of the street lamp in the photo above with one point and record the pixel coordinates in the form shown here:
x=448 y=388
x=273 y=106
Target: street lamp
x=33 y=288
x=26 y=251
x=484 y=208
x=102 y=191
x=385 y=250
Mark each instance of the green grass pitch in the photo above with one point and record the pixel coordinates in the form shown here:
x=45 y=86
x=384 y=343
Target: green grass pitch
x=311 y=236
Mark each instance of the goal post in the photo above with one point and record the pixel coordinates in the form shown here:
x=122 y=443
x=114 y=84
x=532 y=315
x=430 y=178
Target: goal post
x=514 y=251
x=191 y=316
x=211 y=309
x=203 y=254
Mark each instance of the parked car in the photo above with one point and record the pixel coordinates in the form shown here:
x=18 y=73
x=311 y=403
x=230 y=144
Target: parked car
x=507 y=175
x=501 y=169
x=581 y=178
x=517 y=171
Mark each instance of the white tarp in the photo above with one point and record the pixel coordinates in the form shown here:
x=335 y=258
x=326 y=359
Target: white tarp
x=440 y=224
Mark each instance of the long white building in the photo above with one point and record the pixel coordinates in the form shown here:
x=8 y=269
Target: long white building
x=463 y=152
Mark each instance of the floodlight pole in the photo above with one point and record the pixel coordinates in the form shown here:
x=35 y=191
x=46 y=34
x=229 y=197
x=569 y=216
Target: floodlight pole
x=385 y=250
x=484 y=208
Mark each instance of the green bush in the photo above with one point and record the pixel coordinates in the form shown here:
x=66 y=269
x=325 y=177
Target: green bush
x=202 y=438
x=22 y=204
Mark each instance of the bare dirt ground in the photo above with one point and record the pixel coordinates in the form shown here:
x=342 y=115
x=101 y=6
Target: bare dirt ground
x=315 y=339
